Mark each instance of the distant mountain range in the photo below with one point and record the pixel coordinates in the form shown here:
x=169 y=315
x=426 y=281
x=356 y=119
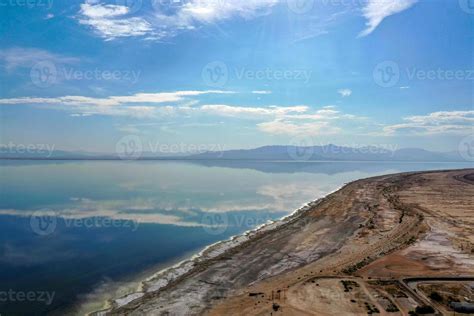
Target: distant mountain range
x=330 y=153
x=269 y=153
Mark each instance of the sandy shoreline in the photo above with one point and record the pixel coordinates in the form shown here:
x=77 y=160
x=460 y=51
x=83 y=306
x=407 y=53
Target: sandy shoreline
x=173 y=273
x=337 y=235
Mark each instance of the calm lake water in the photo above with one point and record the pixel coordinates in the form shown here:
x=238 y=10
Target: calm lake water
x=73 y=233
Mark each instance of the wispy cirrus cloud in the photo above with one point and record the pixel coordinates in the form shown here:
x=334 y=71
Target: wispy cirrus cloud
x=112 y=21
x=375 y=11
x=442 y=122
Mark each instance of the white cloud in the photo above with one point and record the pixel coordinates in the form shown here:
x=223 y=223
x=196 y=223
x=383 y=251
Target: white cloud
x=137 y=105
x=282 y=127
x=326 y=113
x=376 y=11
x=288 y=120
x=444 y=117
x=97 y=11
x=345 y=92
x=270 y=119
x=443 y=122
x=109 y=21
x=324 y=121
x=113 y=21
x=160 y=97
x=212 y=11
x=13 y=58
x=261 y=92
x=291 y=120
x=252 y=112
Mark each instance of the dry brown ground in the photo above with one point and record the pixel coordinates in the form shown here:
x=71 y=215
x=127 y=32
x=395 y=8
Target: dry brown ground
x=447 y=205
x=370 y=233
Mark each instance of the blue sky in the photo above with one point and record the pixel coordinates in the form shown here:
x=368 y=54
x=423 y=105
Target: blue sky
x=84 y=74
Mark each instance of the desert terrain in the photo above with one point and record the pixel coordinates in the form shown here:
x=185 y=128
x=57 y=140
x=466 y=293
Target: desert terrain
x=398 y=244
